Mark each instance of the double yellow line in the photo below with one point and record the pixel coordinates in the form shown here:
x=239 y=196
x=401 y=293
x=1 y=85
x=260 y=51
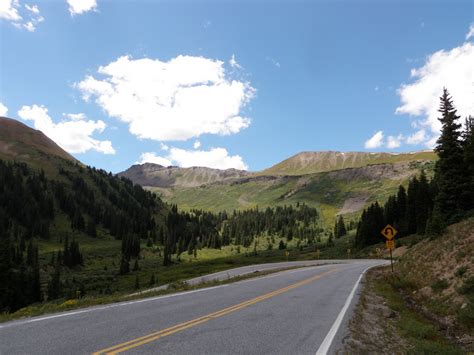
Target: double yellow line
x=119 y=348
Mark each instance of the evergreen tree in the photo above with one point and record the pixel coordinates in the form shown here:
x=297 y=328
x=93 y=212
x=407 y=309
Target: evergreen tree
x=152 y=280
x=450 y=176
x=340 y=227
x=124 y=266
x=54 y=287
x=468 y=149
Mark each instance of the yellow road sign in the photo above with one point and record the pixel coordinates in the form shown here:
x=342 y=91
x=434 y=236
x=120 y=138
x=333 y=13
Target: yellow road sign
x=390 y=244
x=389 y=232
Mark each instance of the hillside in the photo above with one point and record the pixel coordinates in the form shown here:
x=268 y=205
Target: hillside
x=21 y=143
x=316 y=162
x=439 y=274
x=344 y=191
x=159 y=176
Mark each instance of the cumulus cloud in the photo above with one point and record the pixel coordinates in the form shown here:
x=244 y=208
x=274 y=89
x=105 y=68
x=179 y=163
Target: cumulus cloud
x=23 y=17
x=394 y=141
x=452 y=69
x=216 y=158
x=182 y=98
x=73 y=136
x=418 y=137
x=75 y=116
x=196 y=145
x=78 y=7
x=375 y=141
x=150 y=157
x=3 y=110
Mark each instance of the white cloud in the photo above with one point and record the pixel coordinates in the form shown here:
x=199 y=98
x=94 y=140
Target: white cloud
x=216 y=158
x=77 y=7
x=452 y=69
x=233 y=63
x=196 y=145
x=3 y=110
x=175 y=100
x=394 y=141
x=73 y=136
x=164 y=147
x=150 y=157
x=11 y=10
x=417 y=138
x=75 y=116
x=33 y=8
x=470 y=33
x=375 y=141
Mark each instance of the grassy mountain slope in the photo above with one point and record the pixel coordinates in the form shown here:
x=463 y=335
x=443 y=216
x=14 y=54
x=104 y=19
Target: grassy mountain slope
x=344 y=191
x=439 y=274
x=21 y=143
x=316 y=162
x=159 y=176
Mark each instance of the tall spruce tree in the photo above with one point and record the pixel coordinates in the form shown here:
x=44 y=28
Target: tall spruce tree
x=468 y=148
x=450 y=174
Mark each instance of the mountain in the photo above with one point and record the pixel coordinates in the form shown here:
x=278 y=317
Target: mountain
x=166 y=177
x=344 y=191
x=335 y=182
x=21 y=143
x=316 y=162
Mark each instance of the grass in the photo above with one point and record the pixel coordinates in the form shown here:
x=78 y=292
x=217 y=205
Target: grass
x=325 y=191
x=422 y=335
x=63 y=305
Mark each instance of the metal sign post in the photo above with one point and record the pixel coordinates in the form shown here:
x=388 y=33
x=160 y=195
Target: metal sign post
x=389 y=232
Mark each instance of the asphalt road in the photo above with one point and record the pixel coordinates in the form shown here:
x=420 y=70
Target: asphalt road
x=300 y=311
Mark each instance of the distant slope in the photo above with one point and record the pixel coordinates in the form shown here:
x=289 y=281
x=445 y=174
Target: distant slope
x=316 y=162
x=21 y=143
x=341 y=191
x=159 y=176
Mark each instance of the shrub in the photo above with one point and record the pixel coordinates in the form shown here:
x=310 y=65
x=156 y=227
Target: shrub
x=461 y=271
x=468 y=287
x=440 y=285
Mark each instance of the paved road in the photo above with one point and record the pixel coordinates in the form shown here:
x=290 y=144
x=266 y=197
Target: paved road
x=290 y=312
x=245 y=270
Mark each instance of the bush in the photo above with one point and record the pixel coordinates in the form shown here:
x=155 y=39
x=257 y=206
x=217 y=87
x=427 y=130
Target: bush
x=468 y=287
x=440 y=285
x=461 y=271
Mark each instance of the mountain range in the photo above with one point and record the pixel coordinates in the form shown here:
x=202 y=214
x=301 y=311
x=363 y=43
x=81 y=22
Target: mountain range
x=335 y=182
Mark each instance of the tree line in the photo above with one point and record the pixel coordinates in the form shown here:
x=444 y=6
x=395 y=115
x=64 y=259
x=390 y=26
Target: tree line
x=428 y=206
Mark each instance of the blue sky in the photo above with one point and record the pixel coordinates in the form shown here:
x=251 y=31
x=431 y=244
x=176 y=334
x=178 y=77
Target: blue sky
x=268 y=78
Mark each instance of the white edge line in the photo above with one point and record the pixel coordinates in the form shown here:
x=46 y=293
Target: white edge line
x=119 y=304
x=327 y=342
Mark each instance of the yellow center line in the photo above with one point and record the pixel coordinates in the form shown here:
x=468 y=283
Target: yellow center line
x=182 y=326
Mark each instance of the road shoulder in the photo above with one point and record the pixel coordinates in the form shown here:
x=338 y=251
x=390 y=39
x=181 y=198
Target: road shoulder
x=383 y=323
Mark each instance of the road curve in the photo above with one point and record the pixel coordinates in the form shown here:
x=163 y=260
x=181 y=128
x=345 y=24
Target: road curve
x=290 y=312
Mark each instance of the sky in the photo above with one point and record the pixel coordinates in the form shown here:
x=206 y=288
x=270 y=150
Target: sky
x=233 y=84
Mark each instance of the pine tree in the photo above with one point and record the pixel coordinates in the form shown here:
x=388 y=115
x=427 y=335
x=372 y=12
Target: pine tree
x=54 y=287
x=152 y=280
x=449 y=170
x=124 y=266
x=135 y=265
x=468 y=150
x=423 y=203
x=340 y=227
x=137 y=282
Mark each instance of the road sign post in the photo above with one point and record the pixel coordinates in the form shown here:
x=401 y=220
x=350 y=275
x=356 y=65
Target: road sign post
x=389 y=232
